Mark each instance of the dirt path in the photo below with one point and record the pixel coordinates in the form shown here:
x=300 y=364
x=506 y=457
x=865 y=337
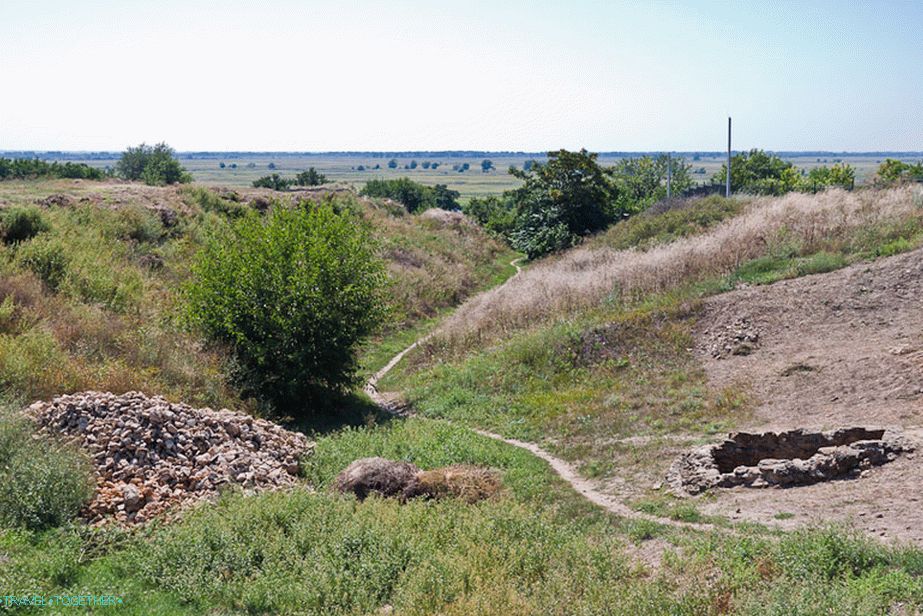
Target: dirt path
x=843 y=348
x=388 y=402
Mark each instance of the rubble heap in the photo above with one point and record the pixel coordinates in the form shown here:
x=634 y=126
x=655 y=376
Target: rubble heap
x=151 y=455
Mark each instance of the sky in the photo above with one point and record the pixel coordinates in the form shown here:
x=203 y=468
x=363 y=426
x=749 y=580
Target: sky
x=421 y=75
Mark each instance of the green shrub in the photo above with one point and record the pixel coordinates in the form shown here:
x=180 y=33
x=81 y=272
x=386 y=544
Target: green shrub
x=44 y=484
x=293 y=295
x=21 y=223
x=274 y=182
x=46 y=258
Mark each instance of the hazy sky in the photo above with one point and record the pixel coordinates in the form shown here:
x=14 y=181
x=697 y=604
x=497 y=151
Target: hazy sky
x=415 y=75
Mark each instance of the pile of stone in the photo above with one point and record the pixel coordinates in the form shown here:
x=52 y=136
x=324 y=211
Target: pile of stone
x=784 y=459
x=740 y=338
x=151 y=455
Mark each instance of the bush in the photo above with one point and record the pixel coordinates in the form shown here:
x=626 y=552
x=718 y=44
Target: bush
x=156 y=165
x=414 y=196
x=293 y=295
x=44 y=484
x=312 y=178
x=209 y=201
x=47 y=259
x=21 y=223
x=274 y=182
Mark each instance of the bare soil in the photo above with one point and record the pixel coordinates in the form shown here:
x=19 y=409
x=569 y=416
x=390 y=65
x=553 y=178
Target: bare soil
x=843 y=348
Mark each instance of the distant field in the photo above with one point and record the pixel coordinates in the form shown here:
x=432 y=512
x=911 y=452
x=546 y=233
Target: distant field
x=471 y=183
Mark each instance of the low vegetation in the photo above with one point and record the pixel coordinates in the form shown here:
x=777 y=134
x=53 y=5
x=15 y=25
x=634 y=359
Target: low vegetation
x=44 y=483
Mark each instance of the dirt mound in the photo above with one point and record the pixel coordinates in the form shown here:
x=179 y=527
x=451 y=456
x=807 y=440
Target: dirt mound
x=404 y=480
x=784 y=459
x=830 y=349
x=151 y=455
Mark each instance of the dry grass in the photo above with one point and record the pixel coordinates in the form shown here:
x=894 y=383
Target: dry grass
x=463 y=481
x=585 y=277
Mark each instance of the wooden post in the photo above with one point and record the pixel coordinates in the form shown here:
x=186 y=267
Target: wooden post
x=669 y=175
x=727 y=188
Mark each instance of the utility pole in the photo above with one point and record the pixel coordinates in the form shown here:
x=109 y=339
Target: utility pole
x=669 y=174
x=727 y=188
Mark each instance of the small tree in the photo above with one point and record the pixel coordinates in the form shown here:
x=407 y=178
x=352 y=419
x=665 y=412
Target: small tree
x=560 y=200
x=414 y=196
x=271 y=166
x=486 y=165
x=392 y=164
x=221 y=165
x=156 y=166
x=413 y=164
x=293 y=295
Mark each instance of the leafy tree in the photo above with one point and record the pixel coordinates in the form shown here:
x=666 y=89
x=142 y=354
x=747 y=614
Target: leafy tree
x=221 y=165
x=643 y=181
x=425 y=164
x=293 y=295
x=271 y=166
x=496 y=214
x=233 y=165
x=155 y=165
x=360 y=168
x=434 y=166
x=311 y=177
x=413 y=164
x=486 y=165
x=274 y=181
x=892 y=171
x=377 y=166
x=392 y=164
x=561 y=200
x=840 y=174
x=761 y=173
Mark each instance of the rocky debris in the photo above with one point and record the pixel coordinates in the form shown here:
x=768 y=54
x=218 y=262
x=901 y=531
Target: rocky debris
x=55 y=200
x=739 y=338
x=151 y=455
x=783 y=459
x=375 y=476
x=404 y=480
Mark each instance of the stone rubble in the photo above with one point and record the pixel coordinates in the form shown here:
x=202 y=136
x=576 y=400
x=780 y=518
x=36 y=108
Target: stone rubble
x=740 y=338
x=151 y=455
x=784 y=459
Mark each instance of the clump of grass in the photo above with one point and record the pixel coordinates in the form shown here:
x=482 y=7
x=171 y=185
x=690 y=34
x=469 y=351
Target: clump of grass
x=44 y=484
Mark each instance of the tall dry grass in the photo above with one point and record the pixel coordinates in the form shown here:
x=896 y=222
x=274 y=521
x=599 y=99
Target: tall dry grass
x=582 y=278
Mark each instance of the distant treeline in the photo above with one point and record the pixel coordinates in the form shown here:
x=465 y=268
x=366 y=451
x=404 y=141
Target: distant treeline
x=29 y=168
x=101 y=155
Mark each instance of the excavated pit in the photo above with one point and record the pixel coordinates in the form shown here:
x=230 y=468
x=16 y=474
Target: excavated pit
x=783 y=459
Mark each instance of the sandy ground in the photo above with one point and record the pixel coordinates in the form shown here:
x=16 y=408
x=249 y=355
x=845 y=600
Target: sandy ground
x=843 y=348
